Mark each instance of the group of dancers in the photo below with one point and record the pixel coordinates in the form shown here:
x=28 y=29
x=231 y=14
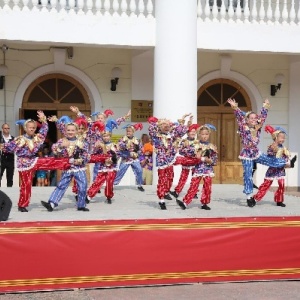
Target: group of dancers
x=175 y=143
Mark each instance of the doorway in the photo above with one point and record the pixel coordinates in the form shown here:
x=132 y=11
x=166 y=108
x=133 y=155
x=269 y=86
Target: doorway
x=214 y=109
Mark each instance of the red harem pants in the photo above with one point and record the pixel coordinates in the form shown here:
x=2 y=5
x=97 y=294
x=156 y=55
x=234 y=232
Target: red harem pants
x=102 y=177
x=45 y=163
x=94 y=158
x=165 y=181
x=192 y=191
x=264 y=187
x=183 y=178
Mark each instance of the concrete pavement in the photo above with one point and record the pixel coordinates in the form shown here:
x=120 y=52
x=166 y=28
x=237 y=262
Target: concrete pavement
x=130 y=203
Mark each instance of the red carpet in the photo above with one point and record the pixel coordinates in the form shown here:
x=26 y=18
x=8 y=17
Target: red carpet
x=62 y=255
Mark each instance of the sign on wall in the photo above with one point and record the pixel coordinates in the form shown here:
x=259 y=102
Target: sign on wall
x=141 y=110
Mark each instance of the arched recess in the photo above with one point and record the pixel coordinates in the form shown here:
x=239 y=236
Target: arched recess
x=214 y=109
x=54 y=94
x=86 y=82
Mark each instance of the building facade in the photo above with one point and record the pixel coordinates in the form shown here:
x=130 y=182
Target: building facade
x=186 y=58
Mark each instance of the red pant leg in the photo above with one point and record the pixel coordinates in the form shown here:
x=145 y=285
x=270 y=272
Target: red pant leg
x=262 y=190
x=279 y=194
x=192 y=190
x=182 y=180
x=162 y=183
x=170 y=177
x=206 y=190
x=109 y=189
x=94 y=188
x=25 y=187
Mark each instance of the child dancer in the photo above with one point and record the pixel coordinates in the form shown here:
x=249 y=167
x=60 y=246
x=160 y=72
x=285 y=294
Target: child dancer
x=76 y=150
x=165 y=135
x=107 y=170
x=250 y=125
x=104 y=117
x=186 y=149
x=129 y=151
x=26 y=148
x=276 y=149
x=208 y=155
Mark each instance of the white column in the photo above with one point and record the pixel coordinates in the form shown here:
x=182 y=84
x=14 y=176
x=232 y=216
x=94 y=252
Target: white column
x=175 y=59
x=294 y=109
x=175 y=62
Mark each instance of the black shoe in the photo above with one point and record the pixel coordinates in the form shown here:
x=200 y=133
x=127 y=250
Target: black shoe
x=255 y=186
x=108 y=200
x=281 y=204
x=83 y=209
x=181 y=204
x=168 y=197
x=140 y=188
x=251 y=202
x=87 y=201
x=196 y=196
x=99 y=192
x=293 y=160
x=47 y=205
x=174 y=194
x=204 y=206
x=162 y=205
x=22 y=209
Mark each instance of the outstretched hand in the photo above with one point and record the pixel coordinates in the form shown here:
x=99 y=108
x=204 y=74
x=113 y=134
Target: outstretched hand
x=74 y=109
x=232 y=102
x=52 y=119
x=128 y=114
x=41 y=116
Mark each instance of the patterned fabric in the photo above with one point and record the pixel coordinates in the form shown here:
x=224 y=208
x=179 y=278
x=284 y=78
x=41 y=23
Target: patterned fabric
x=103 y=177
x=129 y=150
x=206 y=190
x=203 y=168
x=250 y=136
x=166 y=145
x=136 y=168
x=81 y=182
x=165 y=180
x=142 y=157
x=182 y=179
x=264 y=187
x=26 y=148
x=281 y=152
x=77 y=152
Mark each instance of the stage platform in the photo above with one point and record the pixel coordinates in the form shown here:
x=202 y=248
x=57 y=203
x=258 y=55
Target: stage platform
x=133 y=242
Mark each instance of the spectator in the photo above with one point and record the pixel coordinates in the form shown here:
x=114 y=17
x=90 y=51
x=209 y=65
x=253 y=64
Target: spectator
x=7 y=159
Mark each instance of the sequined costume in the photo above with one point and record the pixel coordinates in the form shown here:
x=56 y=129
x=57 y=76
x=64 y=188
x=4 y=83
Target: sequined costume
x=97 y=137
x=166 y=147
x=276 y=149
x=129 y=149
x=106 y=172
x=26 y=149
x=186 y=149
x=77 y=153
x=274 y=173
x=250 y=137
x=202 y=170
